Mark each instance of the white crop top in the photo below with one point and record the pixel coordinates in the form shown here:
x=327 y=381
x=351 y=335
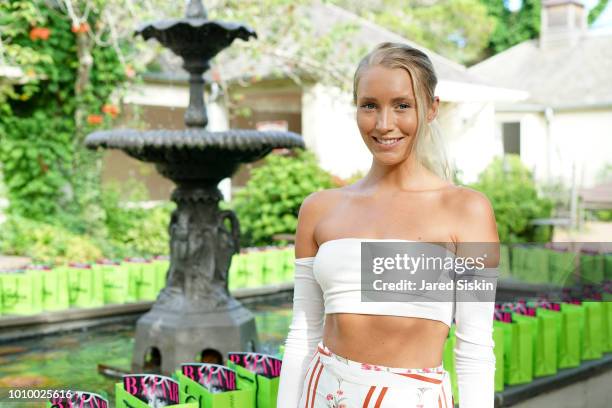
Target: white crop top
x=330 y=282
x=337 y=269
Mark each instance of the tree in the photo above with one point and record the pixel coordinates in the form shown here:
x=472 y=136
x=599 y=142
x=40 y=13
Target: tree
x=457 y=29
x=597 y=10
x=512 y=27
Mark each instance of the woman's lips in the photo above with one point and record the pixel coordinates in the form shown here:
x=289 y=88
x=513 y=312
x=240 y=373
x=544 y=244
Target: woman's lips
x=387 y=145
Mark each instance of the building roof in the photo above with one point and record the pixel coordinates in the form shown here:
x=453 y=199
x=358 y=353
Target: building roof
x=557 y=76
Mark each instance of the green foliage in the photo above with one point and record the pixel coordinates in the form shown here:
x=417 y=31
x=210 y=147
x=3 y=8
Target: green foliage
x=512 y=27
x=270 y=202
x=596 y=11
x=126 y=231
x=49 y=175
x=457 y=29
x=509 y=186
x=134 y=231
x=45 y=243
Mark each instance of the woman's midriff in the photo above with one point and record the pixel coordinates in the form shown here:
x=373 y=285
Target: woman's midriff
x=392 y=341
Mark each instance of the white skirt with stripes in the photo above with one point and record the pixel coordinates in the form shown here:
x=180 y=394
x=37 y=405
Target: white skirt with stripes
x=336 y=382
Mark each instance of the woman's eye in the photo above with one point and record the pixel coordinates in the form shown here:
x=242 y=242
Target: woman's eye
x=368 y=106
x=403 y=106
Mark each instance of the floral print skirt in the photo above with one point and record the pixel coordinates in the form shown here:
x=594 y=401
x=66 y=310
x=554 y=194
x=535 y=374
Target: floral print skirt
x=336 y=382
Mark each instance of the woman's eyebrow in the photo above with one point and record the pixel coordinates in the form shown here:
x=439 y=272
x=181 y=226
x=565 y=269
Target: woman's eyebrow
x=399 y=98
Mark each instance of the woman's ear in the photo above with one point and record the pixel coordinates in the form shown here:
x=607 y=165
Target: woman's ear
x=433 y=109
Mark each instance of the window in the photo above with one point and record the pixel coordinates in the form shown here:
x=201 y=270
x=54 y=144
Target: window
x=511 y=134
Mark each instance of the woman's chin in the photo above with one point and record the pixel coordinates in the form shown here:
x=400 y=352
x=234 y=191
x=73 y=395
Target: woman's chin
x=389 y=158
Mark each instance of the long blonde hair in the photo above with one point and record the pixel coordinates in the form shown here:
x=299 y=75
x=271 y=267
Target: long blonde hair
x=428 y=147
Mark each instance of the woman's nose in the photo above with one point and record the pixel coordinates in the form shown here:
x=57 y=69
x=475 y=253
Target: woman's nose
x=384 y=121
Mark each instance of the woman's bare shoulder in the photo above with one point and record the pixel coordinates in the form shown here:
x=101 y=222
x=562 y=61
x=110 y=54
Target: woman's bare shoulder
x=319 y=202
x=472 y=215
x=313 y=209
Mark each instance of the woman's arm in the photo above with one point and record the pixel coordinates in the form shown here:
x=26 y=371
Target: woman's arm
x=306 y=329
x=476 y=236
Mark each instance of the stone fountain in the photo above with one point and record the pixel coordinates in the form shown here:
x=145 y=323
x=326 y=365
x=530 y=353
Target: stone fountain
x=194 y=315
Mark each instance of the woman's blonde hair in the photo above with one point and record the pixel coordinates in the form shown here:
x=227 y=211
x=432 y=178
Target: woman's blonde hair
x=428 y=147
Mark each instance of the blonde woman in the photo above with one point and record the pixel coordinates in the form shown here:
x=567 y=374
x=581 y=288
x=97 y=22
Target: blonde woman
x=341 y=352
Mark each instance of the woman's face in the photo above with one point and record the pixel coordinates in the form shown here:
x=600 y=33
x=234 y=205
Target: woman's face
x=386 y=113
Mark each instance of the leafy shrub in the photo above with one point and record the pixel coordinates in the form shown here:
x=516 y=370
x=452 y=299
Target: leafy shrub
x=45 y=243
x=127 y=231
x=510 y=187
x=270 y=201
x=134 y=231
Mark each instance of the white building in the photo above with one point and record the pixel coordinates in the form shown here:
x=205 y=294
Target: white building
x=566 y=123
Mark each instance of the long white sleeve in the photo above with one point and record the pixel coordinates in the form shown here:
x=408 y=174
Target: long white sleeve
x=305 y=332
x=474 y=356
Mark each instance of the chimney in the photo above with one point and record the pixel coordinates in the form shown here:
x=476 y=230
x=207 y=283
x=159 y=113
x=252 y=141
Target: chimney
x=563 y=22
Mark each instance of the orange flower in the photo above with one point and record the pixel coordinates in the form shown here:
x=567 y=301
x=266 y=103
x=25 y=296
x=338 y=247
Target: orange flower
x=110 y=110
x=39 y=33
x=94 y=119
x=129 y=71
x=81 y=28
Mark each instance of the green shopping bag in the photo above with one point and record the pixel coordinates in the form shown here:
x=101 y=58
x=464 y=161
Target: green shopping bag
x=518 y=264
x=253 y=377
x=136 y=388
x=267 y=270
x=17 y=293
x=274 y=265
x=448 y=361
x=281 y=351
x=37 y=289
x=568 y=325
x=55 y=290
x=80 y=285
x=255 y=266
x=592 y=331
x=608 y=266
x=606 y=308
x=148 y=287
x=193 y=392
x=231 y=274
x=162 y=265
x=591 y=268
x=536 y=265
x=97 y=282
x=562 y=266
x=134 y=269
x=116 y=283
x=504 y=261
x=498 y=349
x=518 y=350
x=544 y=342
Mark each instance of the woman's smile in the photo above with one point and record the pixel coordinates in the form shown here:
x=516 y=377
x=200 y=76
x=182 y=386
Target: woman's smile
x=387 y=142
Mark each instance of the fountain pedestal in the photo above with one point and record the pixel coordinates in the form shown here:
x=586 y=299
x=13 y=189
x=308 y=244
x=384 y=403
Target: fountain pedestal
x=194 y=317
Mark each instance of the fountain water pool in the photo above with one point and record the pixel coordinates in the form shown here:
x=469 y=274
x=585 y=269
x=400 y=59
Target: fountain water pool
x=70 y=360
